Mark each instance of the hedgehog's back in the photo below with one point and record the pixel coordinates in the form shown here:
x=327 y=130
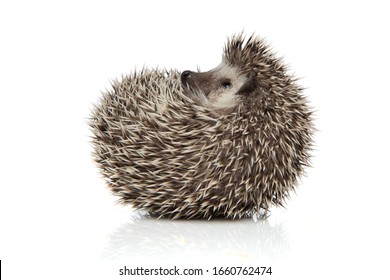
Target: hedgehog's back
x=161 y=152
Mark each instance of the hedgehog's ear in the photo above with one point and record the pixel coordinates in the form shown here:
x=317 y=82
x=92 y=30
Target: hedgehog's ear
x=249 y=86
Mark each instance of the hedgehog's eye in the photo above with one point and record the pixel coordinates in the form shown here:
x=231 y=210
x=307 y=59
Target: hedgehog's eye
x=226 y=84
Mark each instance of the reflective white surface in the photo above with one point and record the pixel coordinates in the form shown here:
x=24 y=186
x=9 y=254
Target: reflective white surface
x=157 y=239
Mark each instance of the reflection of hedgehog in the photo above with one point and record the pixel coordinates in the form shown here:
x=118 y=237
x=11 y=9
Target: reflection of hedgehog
x=227 y=142
x=155 y=239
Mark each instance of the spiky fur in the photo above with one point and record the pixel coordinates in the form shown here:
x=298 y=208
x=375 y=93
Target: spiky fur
x=167 y=153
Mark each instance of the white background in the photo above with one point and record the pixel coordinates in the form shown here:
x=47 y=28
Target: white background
x=58 y=221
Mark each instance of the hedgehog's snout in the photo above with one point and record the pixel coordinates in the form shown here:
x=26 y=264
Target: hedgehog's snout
x=185 y=76
x=199 y=81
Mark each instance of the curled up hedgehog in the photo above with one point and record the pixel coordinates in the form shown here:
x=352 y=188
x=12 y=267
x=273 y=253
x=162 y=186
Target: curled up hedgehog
x=230 y=142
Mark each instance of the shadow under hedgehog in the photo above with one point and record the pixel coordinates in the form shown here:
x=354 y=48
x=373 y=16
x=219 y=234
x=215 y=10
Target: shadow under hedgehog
x=230 y=142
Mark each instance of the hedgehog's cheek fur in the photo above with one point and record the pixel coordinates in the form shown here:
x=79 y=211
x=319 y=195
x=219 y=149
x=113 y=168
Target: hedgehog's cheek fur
x=212 y=85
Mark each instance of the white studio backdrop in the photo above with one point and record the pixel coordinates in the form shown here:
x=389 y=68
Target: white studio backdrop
x=58 y=221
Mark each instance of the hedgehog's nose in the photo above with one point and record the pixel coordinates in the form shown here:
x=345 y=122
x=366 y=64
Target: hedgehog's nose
x=185 y=75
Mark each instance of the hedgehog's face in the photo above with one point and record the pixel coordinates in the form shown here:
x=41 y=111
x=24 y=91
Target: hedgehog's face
x=221 y=86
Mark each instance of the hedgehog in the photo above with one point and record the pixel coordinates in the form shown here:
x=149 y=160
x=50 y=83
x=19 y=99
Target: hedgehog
x=231 y=142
